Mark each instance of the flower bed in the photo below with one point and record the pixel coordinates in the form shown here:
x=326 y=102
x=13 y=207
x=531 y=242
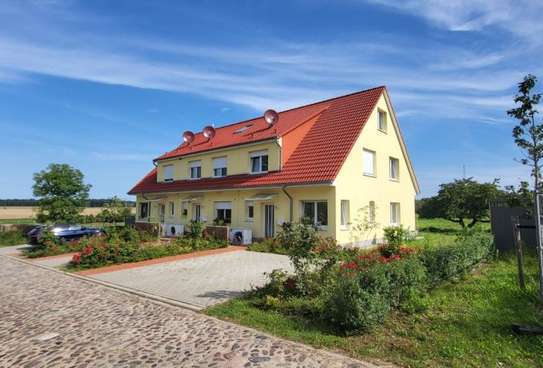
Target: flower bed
x=352 y=291
x=125 y=247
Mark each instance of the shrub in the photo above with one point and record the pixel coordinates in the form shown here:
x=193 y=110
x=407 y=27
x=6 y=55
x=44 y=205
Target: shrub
x=352 y=308
x=13 y=237
x=446 y=262
x=196 y=229
x=395 y=236
x=267 y=246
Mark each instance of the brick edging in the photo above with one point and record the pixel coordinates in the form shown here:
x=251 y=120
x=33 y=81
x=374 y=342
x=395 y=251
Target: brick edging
x=149 y=262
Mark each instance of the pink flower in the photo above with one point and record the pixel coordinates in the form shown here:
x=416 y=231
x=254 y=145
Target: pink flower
x=76 y=258
x=87 y=251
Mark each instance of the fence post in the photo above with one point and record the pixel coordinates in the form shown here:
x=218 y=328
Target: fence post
x=518 y=246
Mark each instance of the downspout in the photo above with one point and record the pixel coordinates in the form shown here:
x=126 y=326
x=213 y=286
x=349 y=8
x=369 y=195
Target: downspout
x=290 y=202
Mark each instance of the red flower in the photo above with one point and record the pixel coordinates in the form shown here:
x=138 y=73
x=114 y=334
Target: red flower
x=87 y=251
x=76 y=258
x=290 y=283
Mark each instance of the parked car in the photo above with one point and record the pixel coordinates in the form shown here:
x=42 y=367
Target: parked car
x=63 y=231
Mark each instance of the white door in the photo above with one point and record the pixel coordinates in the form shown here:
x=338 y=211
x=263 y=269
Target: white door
x=196 y=212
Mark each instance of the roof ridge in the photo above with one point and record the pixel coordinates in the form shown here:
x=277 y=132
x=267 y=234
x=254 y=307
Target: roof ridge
x=306 y=105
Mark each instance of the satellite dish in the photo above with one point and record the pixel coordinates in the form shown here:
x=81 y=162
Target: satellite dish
x=271 y=116
x=188 y=137
x=209 y=132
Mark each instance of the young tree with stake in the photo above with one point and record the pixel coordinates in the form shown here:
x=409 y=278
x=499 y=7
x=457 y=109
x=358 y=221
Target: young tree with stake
x=528 y=136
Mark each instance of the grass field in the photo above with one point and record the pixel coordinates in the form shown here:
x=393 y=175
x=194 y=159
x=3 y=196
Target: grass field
x=464 y=324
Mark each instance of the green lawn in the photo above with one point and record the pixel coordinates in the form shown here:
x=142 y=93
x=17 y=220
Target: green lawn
x=8 y=238
x=435 y=232
x=463 y=324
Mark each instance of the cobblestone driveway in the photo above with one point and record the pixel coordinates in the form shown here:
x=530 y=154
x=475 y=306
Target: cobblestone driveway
x=48 y=319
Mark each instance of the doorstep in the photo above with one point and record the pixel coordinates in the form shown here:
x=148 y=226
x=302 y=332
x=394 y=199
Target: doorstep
x=149 y=262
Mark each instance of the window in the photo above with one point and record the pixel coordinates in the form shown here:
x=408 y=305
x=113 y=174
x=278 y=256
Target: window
x=223 y=212
x=394 y=213
x=259 y=162
x=250 y=210
x=195 y=169
x=345 y=215
x=394 y=168
x=168 y=173
x=184 y=208
x=172 y=209
x=219 y=167
x=144 y=210
x=371 y=214
x=369 y=162
x=382 y=124
x=315 y=212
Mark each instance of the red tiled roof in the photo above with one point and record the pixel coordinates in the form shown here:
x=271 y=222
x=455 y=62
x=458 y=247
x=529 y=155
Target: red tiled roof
x=317 y=159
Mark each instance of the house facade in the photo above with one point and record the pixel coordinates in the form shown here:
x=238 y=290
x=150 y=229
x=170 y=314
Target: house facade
x=340 y=164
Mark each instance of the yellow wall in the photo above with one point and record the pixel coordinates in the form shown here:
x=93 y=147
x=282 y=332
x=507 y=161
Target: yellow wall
x=352 y=185
x=238 y=161
x=238 y=199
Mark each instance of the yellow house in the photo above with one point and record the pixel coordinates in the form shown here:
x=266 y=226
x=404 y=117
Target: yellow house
x=340 y=164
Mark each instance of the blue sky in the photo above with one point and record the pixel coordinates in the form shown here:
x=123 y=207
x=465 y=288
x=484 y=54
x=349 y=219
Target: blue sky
x=107 y=86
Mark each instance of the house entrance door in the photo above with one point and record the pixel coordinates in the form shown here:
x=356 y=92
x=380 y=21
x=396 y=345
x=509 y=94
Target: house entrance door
x=269 y=221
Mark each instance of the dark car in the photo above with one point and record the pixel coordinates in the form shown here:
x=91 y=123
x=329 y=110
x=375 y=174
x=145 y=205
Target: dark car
x=63 y=231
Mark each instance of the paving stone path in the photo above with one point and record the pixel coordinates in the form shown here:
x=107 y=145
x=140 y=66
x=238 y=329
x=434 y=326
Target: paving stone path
x=48 y=319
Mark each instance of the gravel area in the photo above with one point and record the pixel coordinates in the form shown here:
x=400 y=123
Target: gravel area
x=49 y=319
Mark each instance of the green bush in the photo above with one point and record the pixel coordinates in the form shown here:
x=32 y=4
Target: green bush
x=352 y=308
x=13 y=237
x=394 y=236
x=196 y=229
x=267 y=246
x=454 y=260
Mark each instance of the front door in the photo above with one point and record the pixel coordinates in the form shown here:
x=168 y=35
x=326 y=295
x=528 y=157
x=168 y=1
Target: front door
x=196 y=212
x=162 y=212
x=269 y=221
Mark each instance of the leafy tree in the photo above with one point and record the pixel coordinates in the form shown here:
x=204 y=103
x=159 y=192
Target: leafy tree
x=462 y=199
x=62 y=193
x=519 y=197
x=114 y=210
x=528 y=134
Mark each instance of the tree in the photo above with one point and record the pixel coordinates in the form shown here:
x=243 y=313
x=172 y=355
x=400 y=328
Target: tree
x=62 y=193
x=521 y=197
x=528 y=136
x=462 y=199
x=114 y=210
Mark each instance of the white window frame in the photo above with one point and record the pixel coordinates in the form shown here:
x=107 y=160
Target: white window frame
x=259 y=155
x=195 y=165
x=147 y=211
x=382 y=127
x=371 y=212
x=391 y=161
x=223 y=206
x=168 y=172
x=171 y=207
x=220 y=165
x=345 y=215
x=395 y=214
x=365 y=152
x=247 y=205
x=197 y=212
x=315 y=219
x=184 y=208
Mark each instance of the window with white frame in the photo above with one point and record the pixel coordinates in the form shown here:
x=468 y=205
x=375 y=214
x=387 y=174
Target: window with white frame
x=250 y=209
x=144 y=210
x=345 y=214
x=382 y=122
x=371 y=212
x=172 y=209
x=223 y=212
x=196 y=212
x=168 y=173
x=369 y=162
x=259 y=162
x=195 y=169
x=394 y=213
x=315 y=212
x=184 y=208
x=394 y=164
x=219 y=167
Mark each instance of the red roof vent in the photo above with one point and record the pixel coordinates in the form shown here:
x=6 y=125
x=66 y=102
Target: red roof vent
x=188 y=137
x=271 y=116
x=209 y=132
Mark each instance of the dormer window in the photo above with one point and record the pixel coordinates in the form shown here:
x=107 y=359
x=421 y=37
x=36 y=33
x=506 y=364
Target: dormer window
x=219 y=167
x=168 y=173
x=382 y=123
x=259 y=162
x=195 y=169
